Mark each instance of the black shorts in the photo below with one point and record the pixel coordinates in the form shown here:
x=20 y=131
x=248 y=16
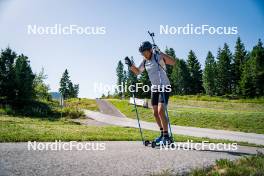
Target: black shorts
x=157 y=97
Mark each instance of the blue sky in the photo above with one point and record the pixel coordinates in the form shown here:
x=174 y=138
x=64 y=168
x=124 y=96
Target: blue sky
x=93 y=58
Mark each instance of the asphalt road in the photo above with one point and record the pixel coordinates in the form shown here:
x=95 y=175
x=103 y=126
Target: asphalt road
x=107 y=108
x=183 y=130
x=118 y=158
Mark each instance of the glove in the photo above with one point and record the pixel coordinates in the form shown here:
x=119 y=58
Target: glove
x=128 y=61
x=156 y=49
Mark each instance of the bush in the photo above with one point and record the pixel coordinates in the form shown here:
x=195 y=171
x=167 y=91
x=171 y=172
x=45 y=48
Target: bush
x=41 y=109
x=28 y=108
x=83 y=103
x=72 y=113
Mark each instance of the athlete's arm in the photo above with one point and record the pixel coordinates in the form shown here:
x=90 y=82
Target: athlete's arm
x=135 y=70
x=138 y=70
x=168 y=60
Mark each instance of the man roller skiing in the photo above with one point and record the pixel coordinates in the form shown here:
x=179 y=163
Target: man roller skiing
x=159 y=84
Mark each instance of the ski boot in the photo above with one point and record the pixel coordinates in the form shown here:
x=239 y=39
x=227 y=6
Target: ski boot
x=157 y=141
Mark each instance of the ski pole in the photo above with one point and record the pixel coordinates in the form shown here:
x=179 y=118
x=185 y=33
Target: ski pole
x=135 y=107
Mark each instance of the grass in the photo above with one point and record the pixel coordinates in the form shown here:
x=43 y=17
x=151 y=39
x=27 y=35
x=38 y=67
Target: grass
x=247 y=165
x=235 y=115
x=82 y=103
x=73 y=108
x=42 y=108
x=221 y=105
x=217 y=99
x=22 y=129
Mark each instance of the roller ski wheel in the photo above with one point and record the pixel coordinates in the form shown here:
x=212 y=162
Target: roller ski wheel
x=153 y=144
x=146 y=143
x=167 y=141
x=173 y=145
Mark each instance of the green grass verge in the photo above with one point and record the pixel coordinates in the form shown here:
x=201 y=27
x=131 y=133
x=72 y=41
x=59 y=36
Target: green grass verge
x=259 y=100
x=22 y=129
x=227 y=115
x=247 y=165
